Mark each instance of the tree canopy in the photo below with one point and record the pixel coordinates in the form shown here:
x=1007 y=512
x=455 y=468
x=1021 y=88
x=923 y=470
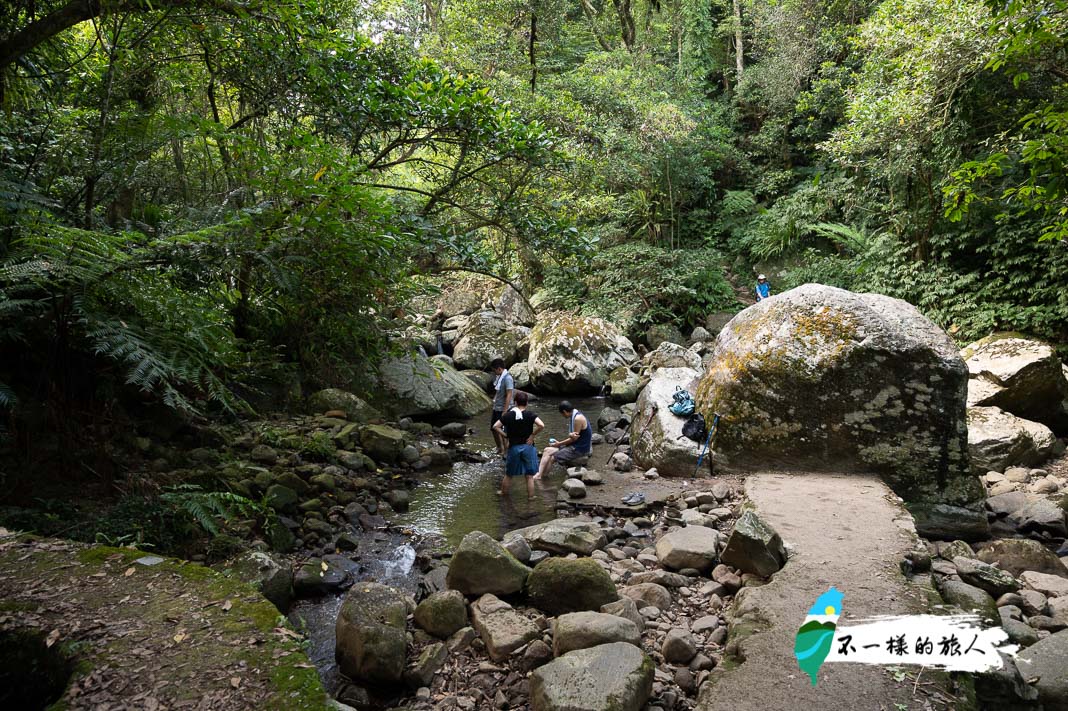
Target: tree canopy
x=197 y=196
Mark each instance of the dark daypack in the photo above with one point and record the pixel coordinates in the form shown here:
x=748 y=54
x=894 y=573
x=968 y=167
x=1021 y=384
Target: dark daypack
x=695 y=428
x=682 y=403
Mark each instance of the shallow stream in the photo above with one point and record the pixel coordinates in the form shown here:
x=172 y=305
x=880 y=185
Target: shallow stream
x=446 y=505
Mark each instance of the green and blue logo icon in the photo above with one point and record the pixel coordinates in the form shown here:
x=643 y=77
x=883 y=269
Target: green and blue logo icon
x=815 y=638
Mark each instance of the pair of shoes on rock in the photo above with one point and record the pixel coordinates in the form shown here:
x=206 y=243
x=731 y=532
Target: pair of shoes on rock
x=633 y=498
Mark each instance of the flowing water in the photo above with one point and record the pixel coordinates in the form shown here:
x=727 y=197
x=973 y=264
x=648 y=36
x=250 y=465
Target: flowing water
x=446 y=505
x=464 y=498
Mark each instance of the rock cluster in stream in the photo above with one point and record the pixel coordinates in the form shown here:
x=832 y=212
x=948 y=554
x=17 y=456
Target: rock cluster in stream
x=1018 y=581
x=1020 y=585
x=602 y=612
x=331 y=479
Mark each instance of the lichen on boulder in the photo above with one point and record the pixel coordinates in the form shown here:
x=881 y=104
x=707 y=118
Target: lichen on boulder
x=414 y=385
x=1020 y=375
x=823 y=378
x=487 y=336
x=575 y=354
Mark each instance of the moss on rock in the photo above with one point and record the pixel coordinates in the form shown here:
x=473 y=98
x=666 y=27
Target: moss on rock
x=176 y=631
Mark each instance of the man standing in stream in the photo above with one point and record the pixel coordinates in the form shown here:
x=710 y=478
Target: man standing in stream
x=503 y=389
x=519 y=426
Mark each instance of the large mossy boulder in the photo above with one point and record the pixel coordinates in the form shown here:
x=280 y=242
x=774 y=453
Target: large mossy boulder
x=559 y=585
x=383 y=443
x=482 y=565
x=1019 y=375
x=998 y=439
x=511 y=305
x=661 y=333
x=486 y=335
x=371 y=641
x=823 y=378
x=416 y=386
x=656 y=435
x=355 y=408
x=571 y=354
x=1018 y=555
x=624 y=385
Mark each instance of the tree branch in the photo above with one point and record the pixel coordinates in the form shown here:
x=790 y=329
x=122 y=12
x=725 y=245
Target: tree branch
x=442 y=270
x=77 y=11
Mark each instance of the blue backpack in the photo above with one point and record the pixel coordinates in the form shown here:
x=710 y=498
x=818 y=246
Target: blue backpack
x=682 y=403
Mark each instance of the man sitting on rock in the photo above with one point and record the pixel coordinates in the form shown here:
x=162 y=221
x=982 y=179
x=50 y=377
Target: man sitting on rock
x=519 y=426
x=578 y=444
x=503 y=390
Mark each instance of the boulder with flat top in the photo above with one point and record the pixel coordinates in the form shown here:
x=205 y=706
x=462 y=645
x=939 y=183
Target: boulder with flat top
x=1019 y=375
x=414 y=385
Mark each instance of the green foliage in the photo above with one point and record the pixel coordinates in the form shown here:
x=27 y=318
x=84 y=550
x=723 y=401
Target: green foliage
x=211 y=509
x=110 y=294
x=1030 y=167
x=637 y=285
x=997 y=289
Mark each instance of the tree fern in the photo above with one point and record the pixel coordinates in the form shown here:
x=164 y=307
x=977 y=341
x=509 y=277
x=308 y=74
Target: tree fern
x=209 y=508
x=849 y=238
x=113 y=291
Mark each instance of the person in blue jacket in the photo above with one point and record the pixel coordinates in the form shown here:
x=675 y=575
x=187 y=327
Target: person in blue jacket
x=763 y=288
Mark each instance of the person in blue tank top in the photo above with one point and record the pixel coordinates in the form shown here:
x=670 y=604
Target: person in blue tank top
x=579 y=442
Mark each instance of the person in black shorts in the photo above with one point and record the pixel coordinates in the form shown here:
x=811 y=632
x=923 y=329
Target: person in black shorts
x=519 y=426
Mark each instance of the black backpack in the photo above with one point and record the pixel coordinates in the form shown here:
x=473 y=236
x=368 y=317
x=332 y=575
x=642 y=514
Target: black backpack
x=694 y=428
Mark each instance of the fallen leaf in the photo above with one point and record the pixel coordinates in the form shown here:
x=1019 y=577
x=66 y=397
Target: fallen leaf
x=235 y=681
x=287 y=632
x=180 y=636
x=52 y=638
x=129 y=572
x=227 y=605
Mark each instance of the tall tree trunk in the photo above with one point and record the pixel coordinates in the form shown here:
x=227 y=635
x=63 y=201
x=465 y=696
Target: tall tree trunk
x=626 y=22
x=739 y=44
x=179 y=169
x=591 y=15
x=92 y=176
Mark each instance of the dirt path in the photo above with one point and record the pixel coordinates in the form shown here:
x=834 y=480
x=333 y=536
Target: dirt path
x=842 y=530
x=169 y=635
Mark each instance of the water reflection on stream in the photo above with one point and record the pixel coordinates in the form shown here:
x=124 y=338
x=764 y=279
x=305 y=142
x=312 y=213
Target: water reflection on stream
x=464 y=498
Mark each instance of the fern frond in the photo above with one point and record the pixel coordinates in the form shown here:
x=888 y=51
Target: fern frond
x=850 y=238
x=8 y=399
